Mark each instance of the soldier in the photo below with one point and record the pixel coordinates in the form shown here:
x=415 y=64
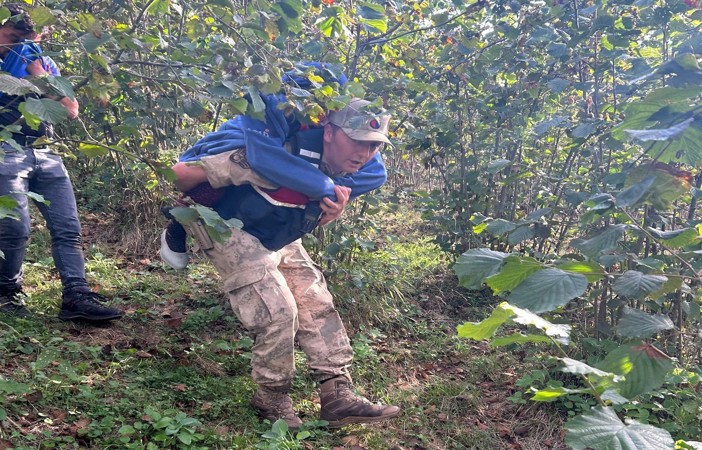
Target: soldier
x=274 y=287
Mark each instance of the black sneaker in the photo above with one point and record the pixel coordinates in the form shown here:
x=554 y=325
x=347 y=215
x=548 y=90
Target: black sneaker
x=85 y=305
x=12 y=303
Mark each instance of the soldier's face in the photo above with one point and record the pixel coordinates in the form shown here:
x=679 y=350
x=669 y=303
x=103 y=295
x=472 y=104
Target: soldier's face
x=343 y=154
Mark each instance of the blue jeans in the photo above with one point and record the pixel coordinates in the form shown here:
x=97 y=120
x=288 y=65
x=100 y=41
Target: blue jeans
x=41 y=172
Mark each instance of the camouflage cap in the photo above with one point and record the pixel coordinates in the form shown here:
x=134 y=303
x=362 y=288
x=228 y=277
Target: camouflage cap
x=360 y=124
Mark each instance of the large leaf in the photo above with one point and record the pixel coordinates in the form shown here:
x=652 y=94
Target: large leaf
x=505 y=312
x=604 y=240
x=550 y=394
x=642 y=115
x=635 y=284
x=644 y=366
x=521 y=234
x=544 y=126
x=668 y=185
x=373 y=18
x=580 y=368
x=515 y=270
x=16 y=86
x=677 y=238
x=487 y=328
x=560 y=332
x=685 y=149
x=601 y=429
x=661 y=134
x=497 y=227
x=639 y=324
x=45 y=109
x=475 y=265
x=592 y=271
x=548 y=289
x=631 y=195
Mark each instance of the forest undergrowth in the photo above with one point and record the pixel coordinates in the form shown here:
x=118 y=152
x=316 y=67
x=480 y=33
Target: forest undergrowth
x=174 y=373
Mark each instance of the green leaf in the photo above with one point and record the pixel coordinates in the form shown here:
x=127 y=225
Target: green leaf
x=515 y=270
x=42 y=16
x=639 y=324
x=604 y=240
x=592 y=271
x=16 y=86
x=497 y=165
x=580 y=368
x=667 y=188
x=486 y=329
x=497 y=227
x=475 y=265
x=90 y=42
x=631 y=195
x=372 y=16
x=92 y=150
x=8 y=387
x=584 y=130
x=558 y=85
x=677 y=238
x=638 y=114
x=519 y=338
x=548 y=289
x=661 y=134
x=560 y=332
x=45 y=109
x=256 y=99
x=185 y=437
x=536 y=215
x=644 y=367
x=601 y=429
x=635 y=284
x=521 y=234
x=158 y=7
x=549 y=394
x=545 y=125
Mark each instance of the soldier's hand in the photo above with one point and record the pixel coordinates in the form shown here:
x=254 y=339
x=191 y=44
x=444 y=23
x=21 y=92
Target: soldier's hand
x=333 y=210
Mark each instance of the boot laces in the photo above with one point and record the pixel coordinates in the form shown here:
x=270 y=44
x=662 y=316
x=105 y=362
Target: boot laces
x=345 y=390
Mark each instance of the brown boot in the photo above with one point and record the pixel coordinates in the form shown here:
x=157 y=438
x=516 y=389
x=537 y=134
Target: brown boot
x=274 y=404
x=341 y=407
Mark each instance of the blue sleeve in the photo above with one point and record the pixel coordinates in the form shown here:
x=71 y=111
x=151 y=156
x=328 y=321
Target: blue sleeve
x=370 y=177
x=19 y=57
x=228 y=137
x=50 y=66
x=268 y=157
x=270 y=160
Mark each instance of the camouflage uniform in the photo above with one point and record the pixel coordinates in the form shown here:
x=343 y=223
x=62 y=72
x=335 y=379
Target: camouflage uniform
x=281 y=297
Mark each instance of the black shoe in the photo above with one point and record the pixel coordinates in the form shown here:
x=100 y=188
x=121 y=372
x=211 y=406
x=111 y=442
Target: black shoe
x=12 y=303
x=85 y=305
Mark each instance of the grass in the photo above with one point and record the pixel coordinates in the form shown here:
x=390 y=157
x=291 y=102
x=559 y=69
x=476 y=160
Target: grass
x=174 y=373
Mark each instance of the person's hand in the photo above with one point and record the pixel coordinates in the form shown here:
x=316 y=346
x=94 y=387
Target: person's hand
x=36 y=68
x=333 y=210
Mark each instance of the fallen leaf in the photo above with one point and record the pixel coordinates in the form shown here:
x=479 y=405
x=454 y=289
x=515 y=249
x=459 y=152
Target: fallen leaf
x=143 y=354
x=180 y=387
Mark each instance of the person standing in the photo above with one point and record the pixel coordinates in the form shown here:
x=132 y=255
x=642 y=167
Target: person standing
x=25 y=169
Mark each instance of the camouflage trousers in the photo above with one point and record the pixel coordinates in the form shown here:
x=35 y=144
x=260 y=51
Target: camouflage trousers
x=282 y=298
